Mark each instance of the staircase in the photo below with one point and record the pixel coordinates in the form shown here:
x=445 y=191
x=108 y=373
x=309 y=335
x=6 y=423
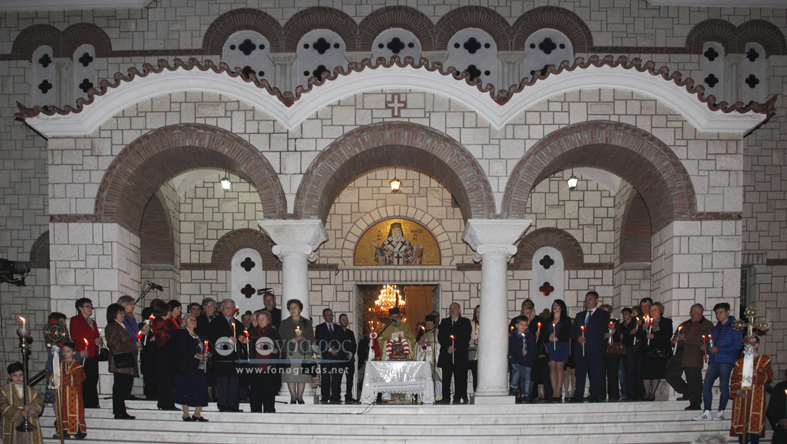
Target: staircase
x=603 y=423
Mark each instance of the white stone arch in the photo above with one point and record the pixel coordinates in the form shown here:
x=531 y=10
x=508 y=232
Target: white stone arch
x=140 y=88
x=249 y=51
x=85 y=73
x=713 y=66
x=387 y=212
x=396 y=42
x=544 y=47
x=246 y=270
x=548 y=272
x=475 y=51
x=320 y=47
x=752 y=75
x=46 y=82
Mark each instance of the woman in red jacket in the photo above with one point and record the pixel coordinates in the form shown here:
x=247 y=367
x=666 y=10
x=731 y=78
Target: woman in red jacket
x=84 y=333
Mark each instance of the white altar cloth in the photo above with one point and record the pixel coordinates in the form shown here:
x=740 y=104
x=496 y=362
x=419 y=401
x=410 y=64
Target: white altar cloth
x=408 y=377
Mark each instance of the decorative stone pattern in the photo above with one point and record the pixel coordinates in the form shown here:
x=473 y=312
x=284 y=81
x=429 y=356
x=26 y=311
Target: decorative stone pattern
x=85 y=73
x=46 y=81
x=249 y=51
x=474 y=51
x=713 y=70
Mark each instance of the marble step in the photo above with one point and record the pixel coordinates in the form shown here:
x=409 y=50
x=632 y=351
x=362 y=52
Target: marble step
x=655 y=422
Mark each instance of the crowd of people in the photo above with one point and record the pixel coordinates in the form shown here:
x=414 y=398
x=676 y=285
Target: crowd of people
x=207 y=354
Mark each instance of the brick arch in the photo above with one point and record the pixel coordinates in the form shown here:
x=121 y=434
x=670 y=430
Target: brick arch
x=33 y=37
x=473 y=17
x=712 y=30
x=389 y=17
x=151 y=160
x=553 y=17
x=244 y=19
x=765 y=33
x=320 y=17
x=394 y=144
x=368 y=220
x=236 y=240
x=565 y=243
x=85 y=33
x=637 y=156
x=39 y=254
x=636 y=231
x=156 y=235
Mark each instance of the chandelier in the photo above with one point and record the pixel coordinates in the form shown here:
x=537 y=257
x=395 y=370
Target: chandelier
x=389 y=298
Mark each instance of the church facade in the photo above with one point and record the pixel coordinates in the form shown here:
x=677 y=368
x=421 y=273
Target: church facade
x=120 y=124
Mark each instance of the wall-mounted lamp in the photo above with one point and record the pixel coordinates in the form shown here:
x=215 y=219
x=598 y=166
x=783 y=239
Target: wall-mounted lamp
x=572 y=181
x=225 y=183
x=395 y=183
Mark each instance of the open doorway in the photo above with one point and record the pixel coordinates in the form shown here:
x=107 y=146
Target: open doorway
x=416 y=300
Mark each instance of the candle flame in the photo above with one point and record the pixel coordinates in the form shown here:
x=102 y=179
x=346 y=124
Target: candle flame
x=246 y=332
x=22 y=319
x=86 y=343
x=539 y=325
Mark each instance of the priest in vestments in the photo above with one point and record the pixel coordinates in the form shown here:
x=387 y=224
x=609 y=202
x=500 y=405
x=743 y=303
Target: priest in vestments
x=396 y=328
x=12 y=407
x=777 y=412
x=747 y=390
x=427 y=349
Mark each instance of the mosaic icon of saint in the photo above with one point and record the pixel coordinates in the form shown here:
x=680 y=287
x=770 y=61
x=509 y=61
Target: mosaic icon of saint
x=395 y=250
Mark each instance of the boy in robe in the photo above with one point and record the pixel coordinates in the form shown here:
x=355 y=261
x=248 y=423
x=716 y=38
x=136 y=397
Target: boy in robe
x=72 y=407
x=747 y=390
x=14 y=409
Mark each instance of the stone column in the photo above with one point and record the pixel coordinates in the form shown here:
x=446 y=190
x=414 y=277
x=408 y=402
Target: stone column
x=493 y=242
x=296 y=245
x=509 y=61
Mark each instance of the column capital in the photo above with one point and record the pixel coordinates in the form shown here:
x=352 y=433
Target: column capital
x=301 y=237
x=494 y=236
x=511 y=57
x=282 y=58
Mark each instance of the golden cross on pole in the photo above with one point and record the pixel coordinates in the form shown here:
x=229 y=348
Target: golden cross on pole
x=759 y=323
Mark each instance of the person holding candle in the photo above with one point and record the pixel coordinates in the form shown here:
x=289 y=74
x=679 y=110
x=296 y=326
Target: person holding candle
x=453 y=358
x=130 y=323
x=557 y=342
x=163 y=327
x=655 y=350
x=631 y=360
x=209 y=314
x=83 y=328
x=349 y=367
x=148 y=365
x=722 y=352
x=265 y=384
x=298 y=334
x=521 y=349
x=14 y=409
x=612 y=358
x=748 y=396
x=225 y=333
x=191 y=380
x=120 y=341
x=595 y=323
x=688 y=358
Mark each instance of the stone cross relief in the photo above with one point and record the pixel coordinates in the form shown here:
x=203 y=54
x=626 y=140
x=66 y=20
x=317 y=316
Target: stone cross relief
x=395 y=104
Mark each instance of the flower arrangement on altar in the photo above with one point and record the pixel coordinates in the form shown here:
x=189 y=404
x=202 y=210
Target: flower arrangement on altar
x=397 y=349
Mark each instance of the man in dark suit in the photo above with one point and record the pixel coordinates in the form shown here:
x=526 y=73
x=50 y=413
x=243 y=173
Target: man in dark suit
x=596 y=323
x=270 y=305
x=349 y=369
x=454 y=353
x=226 y=342
x=331 y=339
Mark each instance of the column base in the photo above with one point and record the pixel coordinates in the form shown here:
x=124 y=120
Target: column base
x=494 y=400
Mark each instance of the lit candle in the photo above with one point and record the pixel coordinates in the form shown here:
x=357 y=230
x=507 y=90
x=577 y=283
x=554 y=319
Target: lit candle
x=86 y=345
x=706 y=348
x=675 y=347
x=139 y=335
x=248 y=350
x=539 y=329
x=205 y=358
x=453 y=341
x=650 y=327
x=232 y=321
x=23 y=323
x=611 y=331
x=583 y=335
x=524 y=340
x=298 y=330
x=554 y=330
x=710 y=340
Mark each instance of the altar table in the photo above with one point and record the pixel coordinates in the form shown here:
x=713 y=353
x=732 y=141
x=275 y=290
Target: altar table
x=407 y=377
